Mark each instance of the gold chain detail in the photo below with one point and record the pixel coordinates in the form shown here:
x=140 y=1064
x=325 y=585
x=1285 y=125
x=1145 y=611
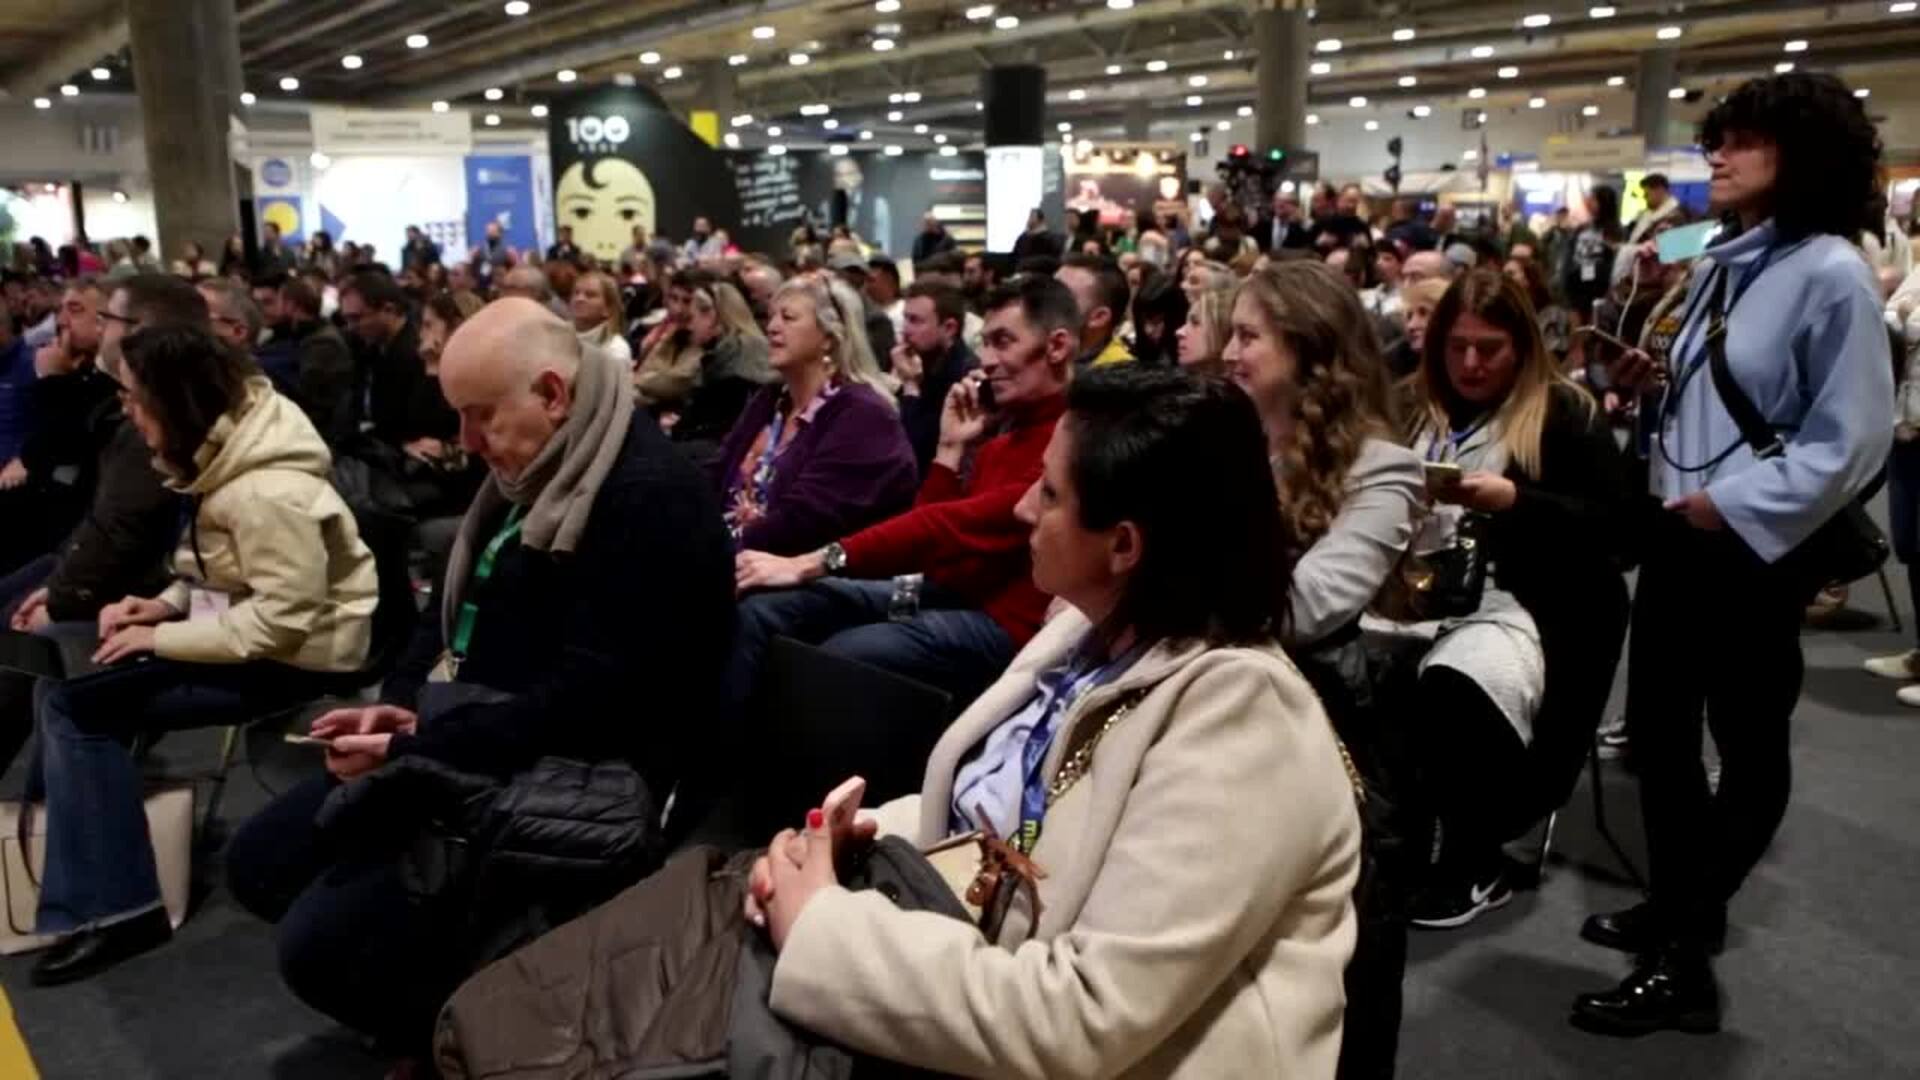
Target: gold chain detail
x=1076 y=766
x=1353 y=773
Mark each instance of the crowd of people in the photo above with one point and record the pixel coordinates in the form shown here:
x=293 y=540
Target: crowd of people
x=1298 y=538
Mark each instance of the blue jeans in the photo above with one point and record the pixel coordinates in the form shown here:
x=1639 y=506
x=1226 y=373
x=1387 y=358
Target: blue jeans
x=15 y=585
x=99 y=863
x=949 y=646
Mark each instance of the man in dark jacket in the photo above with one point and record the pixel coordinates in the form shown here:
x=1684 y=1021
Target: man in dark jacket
x=389 y=398
x=930 y=359
x=44 y=488
x=933 y=239
x=322 y=363
x=588 y=614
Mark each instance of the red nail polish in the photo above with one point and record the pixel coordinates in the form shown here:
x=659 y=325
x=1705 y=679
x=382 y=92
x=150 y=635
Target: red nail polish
x=815 y=818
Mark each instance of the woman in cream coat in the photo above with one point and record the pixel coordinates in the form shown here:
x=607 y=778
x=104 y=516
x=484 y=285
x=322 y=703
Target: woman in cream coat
x=1195 y=915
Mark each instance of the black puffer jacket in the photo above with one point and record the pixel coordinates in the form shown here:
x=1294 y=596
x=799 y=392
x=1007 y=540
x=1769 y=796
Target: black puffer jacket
x=120 y=546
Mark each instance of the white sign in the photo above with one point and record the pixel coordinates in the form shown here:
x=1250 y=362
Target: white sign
x=1594 y=155
x=1015 y=185
x=391 y=131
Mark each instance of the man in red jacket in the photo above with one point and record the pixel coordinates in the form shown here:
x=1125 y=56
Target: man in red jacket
x=942 y=593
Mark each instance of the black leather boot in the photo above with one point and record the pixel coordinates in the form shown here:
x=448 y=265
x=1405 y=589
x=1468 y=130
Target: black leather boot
x=1636 y=930
x=88 y=952
x=1670 y=990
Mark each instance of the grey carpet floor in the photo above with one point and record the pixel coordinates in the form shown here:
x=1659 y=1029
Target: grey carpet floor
x=1821 y=975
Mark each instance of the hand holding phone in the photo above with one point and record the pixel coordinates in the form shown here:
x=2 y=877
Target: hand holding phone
x=296 y=739
x=1442 y=476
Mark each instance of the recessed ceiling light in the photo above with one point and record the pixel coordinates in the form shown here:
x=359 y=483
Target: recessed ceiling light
x=1319 y=67
x=441 y=106
x=1331 y=44
x=1373 y=125
x=838 y=149
x=742 y=120
x=919 y=129
x=1195 y=137
x=119 y=196
x=979 y=11
x=289 y=83
x=1862 y=93
x=517 y=8
x=1783 y=67
x=1156 y=66
x=417 y=41
x=774 y=131
x=100 y=74
x=949 y=151
x=1063 y=126
x=1119 y=5
x=1405 y=33
x=319 y=160
x=1677 y=93
x=1313 y=119
x=866 y=136
x=892 y=151
x=1358 y=101
x=886 y=7
x=1409 y=81
x=649 y=58
x=539 y=112
x=911 y=97
x=247 y=98
x=1508 y=72
x=1481 y=52
x=816 y=109
x=566 y=75
x=1590 y=110
x=42 y=103
x=1903 y=8
x=830 y=124
x=1422 y=111
x=1536 y=22
x=1537 y=103
x=1228 y=56
x=1796 y=45
x=351 y=62
x=979 y=106
x=493 y=119
x=1668 y=33
x=882 y=44
x=1076 y=94
x=1223 y=125
x=1244 y=111
x=893 y=98
x=776 y=149
x=1004 y=22
x=940 y=139
x=1616 y=80
x=798 y=59
x=763 y=33
x=673 y=72
x=1196 y=80
x=1601 y=12
x=731 y=139
x=1114 y=69
x=1470 y=155
x=1477 y=92
x=1194 y=101
x=895 y=116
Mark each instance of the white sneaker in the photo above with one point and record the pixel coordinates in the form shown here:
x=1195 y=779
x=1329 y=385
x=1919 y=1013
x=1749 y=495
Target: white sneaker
x=1903 y=666
x=1909 y=695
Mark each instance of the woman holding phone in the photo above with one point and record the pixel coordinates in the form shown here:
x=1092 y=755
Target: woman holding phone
x=1786 y=307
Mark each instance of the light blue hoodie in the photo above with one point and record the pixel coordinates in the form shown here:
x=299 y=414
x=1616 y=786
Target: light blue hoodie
x=1807 y=344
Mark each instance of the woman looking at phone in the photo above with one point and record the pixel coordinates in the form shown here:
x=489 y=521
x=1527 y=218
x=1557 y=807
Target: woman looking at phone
x=1230 y=966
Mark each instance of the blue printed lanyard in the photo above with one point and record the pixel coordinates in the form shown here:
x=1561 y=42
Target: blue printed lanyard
x=1033 y=756
x=763 y=471
x=1447 y=447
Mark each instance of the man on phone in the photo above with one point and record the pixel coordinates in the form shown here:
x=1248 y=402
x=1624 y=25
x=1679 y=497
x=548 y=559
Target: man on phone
x=941 y=593
x=929 y=360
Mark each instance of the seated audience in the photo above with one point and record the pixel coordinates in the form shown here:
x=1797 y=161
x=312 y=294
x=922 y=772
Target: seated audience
x=932 y=356
x=530 y=283
x=1543 y=491
x=864 y=597
x=598 y=316
x=1201 y=274
x=44 y=487
x=700 y=372
x=883 y=289
x=404 y=463
x=593 y=560
x=16 y=386
x=1159 y=311
x=1100 y=292
x=238 y=321
x=852 y=268
x=1203 y=336
x=322 y=363
x=1556 y=327
x=273 y=593
x=1417 y=301
x=821 y=453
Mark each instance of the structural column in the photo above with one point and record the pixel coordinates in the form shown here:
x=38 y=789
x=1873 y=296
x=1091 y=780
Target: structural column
x=1280 y=44
x=719 y=94
x=1139 y=120
x=186 y=65
x=1650 y=89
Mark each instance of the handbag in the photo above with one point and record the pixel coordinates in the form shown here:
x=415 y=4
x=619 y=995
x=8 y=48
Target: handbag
x=23 y=851
x=1443 y=584
x=1847 y=546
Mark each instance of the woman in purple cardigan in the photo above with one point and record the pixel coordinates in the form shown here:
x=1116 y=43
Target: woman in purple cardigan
x=821 y=453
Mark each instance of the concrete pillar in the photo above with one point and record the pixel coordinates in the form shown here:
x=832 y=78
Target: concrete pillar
x=1139 y=121
x=1280 y=44
x=1656 y=77
x=186 y=62
x=719 y=90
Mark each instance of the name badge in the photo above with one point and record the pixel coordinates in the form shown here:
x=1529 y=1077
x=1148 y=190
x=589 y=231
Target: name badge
x=206 y=603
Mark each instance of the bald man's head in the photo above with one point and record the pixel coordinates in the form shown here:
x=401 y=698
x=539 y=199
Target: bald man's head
x=528 y=282
x=509 y=371
x=1426 y=266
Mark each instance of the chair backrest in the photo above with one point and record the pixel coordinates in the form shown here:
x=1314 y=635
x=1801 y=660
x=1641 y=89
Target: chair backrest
x=396 y=613
x=817 y=718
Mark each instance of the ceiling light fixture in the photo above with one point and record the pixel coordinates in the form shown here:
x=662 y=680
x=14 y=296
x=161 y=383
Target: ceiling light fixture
x=119 y=196
x=883 y=44
x=1537 y=103
x=895 y=116
x=774 y=131
x=886 y=7
x=517 y=8
x=1783 y=67
x=1320 y=67
x=1244 y=111
x=838 y=149
x=1004 y=22
x=763 y=33
x=1862 y=93
x=441 y=106
x=1373 y=125
x=815 y=109
x=1421 y=112
x=566 y=75
x=1508 y=72
x=1906 y=7
x=351 y=62
x=319 y=160
x=1409 y=81
x=732 y=140
x=1358 y=101
x=1590 y=110
x=1223 y=125
x=1328 y=45
x=1537 y=22
x=417 y=41
x=830 y=124
x=1076 y=94
x=919 y=129
x=1477 y=93
x=1196 y=80
x=1481 y=52
x=289 y=83
x=1063 y=126
x=492 y=93
x=247 y=98
x=940 y=139
x=649 y=58
x=1601 y=12
x=866 y=136
x=949 y=151
x=1156 y=66
x=673 y=72
x=1313 y=119
x=798 y=59
x=1796 y=45
x=911 y=97
x=737 y=60
x=1470 y=155
x=1194 y=101
x=493 y=119
x=42 y=103
x=1616 y=80
x=978 y=12
x=1114 y=69
x=100 y=74
x=1668 y=33
x=893 y=151
x=742 y=120
x=1228 y=56
x=539 y=112
x=1677 y=93
x=776 y=150
x=1405 y=33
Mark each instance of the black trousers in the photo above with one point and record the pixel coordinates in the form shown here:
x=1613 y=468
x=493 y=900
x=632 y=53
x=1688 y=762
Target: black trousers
x=1716 y=642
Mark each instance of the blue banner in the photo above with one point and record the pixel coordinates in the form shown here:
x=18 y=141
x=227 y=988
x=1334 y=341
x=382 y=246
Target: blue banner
x=501 y=189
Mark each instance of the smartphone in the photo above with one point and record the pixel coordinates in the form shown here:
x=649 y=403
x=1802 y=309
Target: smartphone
x=306 y=740
x=1442 y=475
x=1686 y=242
x=1604 y=336
x=842 y=803
x=983 y=394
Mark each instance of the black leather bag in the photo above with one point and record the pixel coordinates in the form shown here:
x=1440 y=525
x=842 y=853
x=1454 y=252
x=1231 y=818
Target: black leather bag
x=1444 y=584
x=1849 y=546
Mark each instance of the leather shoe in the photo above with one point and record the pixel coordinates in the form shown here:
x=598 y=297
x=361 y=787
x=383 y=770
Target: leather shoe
x=1669 y=991
x=1637 y=930
x=90 y=951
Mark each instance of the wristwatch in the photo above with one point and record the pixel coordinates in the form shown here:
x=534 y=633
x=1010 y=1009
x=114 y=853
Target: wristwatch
x=834 y=558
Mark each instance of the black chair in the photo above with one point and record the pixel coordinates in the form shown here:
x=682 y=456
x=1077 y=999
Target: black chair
x=814 y=720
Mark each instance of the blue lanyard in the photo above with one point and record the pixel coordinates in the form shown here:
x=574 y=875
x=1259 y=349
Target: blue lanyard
x=763 y=471
x=1447 y=447
x=1748 y=276
x=1033 y=756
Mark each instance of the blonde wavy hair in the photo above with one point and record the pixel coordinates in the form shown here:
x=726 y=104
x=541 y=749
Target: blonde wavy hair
x=842 y=317
x=1340 y=398
x=1522 y=415
x=1214 y=308
x=731 y=310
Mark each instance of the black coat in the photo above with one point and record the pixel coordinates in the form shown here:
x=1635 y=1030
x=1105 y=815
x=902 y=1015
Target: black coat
x=616 y=650
x=323 y=380
x=926 y=245
x=393 y=393
x=62 y=408
x=1299 y=235
x=920 y=414
x=120 y=546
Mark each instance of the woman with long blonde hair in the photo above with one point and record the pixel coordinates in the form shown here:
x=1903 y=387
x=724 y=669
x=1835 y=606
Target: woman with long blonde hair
x=1535 y=483
x=821 y=453
x=1203 y=337
x=599 y=316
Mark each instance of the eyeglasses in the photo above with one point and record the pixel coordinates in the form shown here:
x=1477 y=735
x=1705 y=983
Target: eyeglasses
x=128 y=321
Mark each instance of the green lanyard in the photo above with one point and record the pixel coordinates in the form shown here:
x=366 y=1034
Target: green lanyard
x=482 y=570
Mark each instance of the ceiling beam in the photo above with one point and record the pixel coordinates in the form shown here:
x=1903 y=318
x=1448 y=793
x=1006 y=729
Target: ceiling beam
x=59 y=63
x=280 y=43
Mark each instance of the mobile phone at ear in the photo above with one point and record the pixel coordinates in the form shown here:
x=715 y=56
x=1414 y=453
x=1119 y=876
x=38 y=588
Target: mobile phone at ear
x=983 y=394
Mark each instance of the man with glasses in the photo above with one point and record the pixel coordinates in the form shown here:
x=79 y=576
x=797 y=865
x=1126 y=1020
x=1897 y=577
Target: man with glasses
x=395 y=405
x=45 y=482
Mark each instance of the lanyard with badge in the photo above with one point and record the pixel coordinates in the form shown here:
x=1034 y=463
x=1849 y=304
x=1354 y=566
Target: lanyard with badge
x=1036 y=793
x=1719 y=309
x=469 y=612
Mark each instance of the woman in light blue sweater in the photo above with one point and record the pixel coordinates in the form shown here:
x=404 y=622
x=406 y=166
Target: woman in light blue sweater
x=1716 y=620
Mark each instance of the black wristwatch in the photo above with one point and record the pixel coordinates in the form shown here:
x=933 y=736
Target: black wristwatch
x=834 y=558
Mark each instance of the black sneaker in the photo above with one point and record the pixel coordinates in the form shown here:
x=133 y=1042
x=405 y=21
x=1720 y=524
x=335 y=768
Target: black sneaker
x=1446 y=905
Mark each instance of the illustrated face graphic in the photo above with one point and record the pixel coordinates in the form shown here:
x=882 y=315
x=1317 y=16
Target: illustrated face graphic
x=602 y=201
x=846 y=175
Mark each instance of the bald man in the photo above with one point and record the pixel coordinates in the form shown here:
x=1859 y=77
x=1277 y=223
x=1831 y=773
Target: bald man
x=530 y=282
x=587 y=614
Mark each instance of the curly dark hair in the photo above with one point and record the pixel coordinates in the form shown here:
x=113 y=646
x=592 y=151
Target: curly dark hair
x=187 y=380
x=1829 y=178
